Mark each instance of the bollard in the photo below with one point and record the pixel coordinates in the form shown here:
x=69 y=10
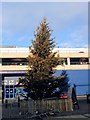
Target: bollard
x=6 y=102
x=18 y=101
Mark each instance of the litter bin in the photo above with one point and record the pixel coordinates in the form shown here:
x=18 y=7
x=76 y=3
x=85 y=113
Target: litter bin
x=88 y=98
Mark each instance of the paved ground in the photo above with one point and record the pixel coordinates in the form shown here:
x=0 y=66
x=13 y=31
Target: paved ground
x=72 y=116
x=81 y=117
x=83 y=112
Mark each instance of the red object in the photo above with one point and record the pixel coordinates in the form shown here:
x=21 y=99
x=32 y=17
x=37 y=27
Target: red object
x=63 y=97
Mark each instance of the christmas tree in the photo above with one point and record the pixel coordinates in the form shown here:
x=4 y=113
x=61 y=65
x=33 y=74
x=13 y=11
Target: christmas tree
x=40 y=81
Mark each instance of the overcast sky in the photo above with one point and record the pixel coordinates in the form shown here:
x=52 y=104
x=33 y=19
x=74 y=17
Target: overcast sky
x=68 y=20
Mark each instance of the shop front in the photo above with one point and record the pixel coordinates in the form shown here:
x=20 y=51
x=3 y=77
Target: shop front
x=9 y=83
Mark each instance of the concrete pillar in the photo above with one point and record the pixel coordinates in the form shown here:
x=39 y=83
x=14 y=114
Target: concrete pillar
x=0 y=93
x=89 y=60
x=68 y=61
x=0 y=61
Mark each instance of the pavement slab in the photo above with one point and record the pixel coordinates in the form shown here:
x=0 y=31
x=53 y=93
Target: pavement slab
x=87 y=115
x=71 y=116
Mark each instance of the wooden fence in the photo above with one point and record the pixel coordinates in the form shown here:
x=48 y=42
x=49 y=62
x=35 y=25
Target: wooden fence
x=28 y=108
x=44 y=105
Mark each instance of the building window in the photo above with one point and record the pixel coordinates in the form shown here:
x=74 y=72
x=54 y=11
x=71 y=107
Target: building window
x=11 y=82
x=14 y=61
x=5 y=82
x=84 y=61
x=79 y=61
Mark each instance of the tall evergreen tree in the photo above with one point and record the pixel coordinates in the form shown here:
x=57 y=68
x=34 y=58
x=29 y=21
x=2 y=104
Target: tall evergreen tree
x=41 y=62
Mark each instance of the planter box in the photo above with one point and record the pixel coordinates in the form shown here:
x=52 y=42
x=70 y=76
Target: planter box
x=58 y=104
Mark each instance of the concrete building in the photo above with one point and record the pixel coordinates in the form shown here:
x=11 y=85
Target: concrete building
x=13 y=64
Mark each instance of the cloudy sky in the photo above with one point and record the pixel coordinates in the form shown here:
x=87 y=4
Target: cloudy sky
x=68 y=20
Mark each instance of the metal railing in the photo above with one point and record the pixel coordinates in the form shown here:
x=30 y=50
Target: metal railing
x=14 y=63
x=79 y=63
x=26 y=63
